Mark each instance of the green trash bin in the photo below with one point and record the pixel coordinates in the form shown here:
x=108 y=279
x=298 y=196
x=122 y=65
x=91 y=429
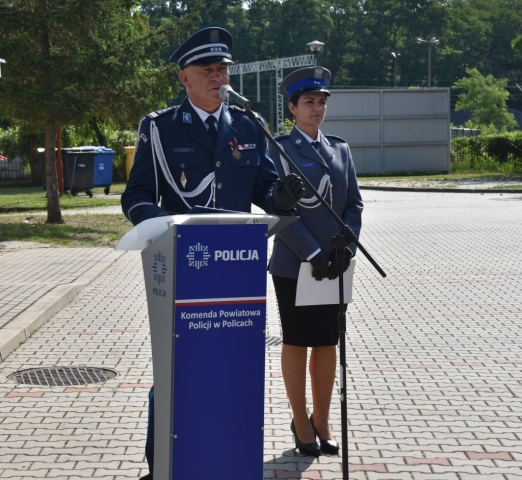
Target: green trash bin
x=78 y=169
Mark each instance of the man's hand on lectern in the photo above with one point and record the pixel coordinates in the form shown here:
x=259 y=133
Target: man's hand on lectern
x=287 y=193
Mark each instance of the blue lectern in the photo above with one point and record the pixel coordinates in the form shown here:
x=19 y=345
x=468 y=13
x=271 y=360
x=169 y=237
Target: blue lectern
x=205 y=279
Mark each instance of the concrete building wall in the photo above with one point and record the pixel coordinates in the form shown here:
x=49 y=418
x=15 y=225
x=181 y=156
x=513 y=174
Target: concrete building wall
x=393 y=130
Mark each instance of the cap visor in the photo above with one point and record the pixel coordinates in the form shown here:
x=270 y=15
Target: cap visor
x=307 y=90
x=209 y=60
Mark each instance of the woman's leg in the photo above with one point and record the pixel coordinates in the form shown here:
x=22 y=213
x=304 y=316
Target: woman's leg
x=323 y=363
x=293 y=366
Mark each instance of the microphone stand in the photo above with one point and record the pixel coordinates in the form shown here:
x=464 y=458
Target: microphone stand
x=340 y=241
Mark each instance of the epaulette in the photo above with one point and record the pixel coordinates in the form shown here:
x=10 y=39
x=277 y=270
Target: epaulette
x=163 y=111
x=334 y=137
x=235 y=107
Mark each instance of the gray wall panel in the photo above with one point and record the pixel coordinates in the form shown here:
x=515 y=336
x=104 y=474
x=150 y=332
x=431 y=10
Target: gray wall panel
x=355 y=132
x=393 y=130
x=366 y=103
x=415 y=130
x=415 y=102
x=366 y=159
x=414 y=158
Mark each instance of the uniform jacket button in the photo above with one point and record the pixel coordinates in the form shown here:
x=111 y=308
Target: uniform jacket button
x=220 y=185
x=218 y=164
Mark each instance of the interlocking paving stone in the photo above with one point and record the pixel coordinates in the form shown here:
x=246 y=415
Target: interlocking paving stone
x=433 y=358
x=22 y=282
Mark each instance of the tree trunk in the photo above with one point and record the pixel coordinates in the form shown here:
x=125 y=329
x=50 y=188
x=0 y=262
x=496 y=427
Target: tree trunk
x=54 y=214
x=102 y=141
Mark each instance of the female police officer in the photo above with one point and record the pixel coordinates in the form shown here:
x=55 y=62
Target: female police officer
x=327 y=163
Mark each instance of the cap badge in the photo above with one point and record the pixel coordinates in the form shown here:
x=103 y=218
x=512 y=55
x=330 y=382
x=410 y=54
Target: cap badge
x=318 y=73
x=214 y=35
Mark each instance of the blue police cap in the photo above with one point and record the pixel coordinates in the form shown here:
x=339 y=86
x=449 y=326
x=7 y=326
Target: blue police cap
x=306 y=80
x=209 y=45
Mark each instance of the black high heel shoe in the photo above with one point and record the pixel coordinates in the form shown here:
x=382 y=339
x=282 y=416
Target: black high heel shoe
x=310 y=449
x=330 y=447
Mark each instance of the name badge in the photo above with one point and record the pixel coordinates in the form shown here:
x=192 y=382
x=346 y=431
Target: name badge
x=184 y=150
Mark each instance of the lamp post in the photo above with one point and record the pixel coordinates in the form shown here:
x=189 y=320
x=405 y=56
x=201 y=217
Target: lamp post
x=432 y=41
x=395 y=56
x=316 y=46
x=1 y=61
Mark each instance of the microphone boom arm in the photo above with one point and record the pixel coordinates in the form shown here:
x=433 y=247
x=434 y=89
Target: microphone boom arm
x=345 y=229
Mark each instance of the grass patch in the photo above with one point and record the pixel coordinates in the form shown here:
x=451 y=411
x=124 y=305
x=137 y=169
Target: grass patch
x=91 y=230
x=427 y=179
x=497 y=176
x=32 y=198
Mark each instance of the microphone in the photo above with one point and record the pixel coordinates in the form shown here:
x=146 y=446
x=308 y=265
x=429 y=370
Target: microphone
x=227 y=93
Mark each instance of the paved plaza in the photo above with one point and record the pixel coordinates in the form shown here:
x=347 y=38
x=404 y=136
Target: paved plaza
x=434 y=353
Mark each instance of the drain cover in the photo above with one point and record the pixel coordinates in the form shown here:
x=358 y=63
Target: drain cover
x=273 y=341
x=62 y=376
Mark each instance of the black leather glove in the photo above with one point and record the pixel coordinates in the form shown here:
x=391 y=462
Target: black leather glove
x=287 y=193
x=333 y=271
x=163 y=213
x=320 y=266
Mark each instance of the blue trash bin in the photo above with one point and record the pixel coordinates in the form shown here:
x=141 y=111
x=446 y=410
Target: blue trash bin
x=103 y=161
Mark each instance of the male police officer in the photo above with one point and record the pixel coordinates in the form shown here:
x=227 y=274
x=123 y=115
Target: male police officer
x=181 y=161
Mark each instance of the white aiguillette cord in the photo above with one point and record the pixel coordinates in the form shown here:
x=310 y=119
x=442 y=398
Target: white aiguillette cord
x=324 y=186
x=208 y=180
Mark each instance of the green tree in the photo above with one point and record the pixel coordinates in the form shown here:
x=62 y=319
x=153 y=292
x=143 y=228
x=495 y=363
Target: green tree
x=485 y=98
x=71 y=62
x=467 y=37
x=339 y=40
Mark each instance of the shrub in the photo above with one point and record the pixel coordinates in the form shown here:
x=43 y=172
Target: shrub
x=494 y=152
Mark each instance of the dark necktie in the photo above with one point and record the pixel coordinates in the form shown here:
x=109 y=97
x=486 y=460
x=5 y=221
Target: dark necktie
x=211 y=122
x=315 y=145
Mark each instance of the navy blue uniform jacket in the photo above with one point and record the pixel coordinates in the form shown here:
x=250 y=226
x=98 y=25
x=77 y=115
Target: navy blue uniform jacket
x=174 y=141
x=316 y=227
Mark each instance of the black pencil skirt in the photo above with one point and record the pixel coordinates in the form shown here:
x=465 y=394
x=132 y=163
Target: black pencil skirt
x=307 y=326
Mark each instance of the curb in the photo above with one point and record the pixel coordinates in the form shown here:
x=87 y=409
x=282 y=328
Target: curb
x=441 y=190
x=20 y=328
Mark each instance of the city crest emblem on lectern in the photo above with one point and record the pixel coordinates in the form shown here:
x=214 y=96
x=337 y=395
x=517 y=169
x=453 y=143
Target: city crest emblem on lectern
x=198 y=256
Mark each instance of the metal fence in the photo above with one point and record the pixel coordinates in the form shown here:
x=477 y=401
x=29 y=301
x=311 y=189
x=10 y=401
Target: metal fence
x=14 y=172
x=464 y=132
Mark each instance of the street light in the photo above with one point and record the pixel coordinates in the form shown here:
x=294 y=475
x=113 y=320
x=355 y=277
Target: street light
x=1 y=61
x=316 y=46
x=432 y=41
x=395 y=56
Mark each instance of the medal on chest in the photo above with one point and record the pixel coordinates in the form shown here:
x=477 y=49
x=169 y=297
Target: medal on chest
x=183 y=178
x=235 y=150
